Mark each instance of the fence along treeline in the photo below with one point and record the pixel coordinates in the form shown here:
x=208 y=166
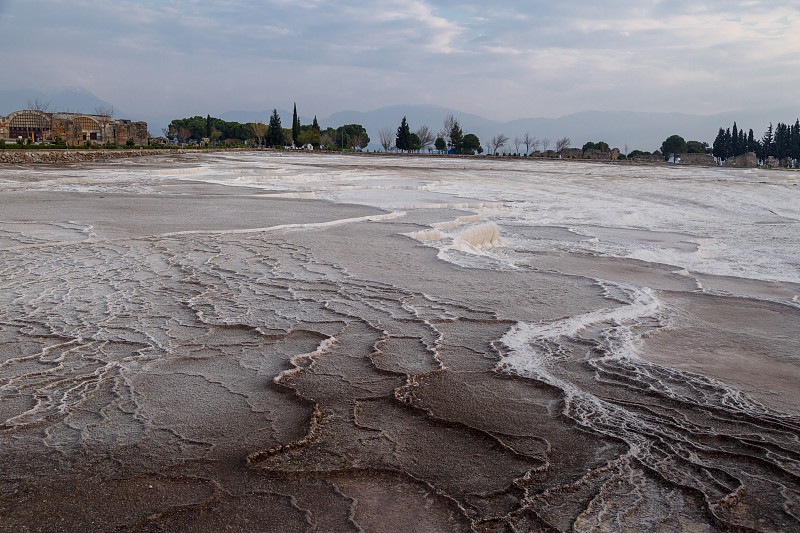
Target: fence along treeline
x=781 y=142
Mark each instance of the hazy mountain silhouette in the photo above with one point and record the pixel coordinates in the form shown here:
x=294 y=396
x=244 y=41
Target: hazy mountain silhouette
x=636 y=130
x=644 y=131
x=70 y=100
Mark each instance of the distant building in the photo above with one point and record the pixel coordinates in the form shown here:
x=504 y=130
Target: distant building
x=72 y=128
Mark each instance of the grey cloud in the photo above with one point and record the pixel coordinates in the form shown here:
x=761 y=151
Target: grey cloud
x=505 y=59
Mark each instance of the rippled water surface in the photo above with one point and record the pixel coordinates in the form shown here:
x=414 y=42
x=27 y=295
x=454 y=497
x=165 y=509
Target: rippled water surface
x=276 y=342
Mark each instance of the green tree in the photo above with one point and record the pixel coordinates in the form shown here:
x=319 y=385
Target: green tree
x=274 y=135
x=208 y=126
x=295 y=127
x=403 y=141
x=718 y=148
x=599 y=145
x=416 y=142
x=696 y=147
x=456 y=138
x=795 y=141
x=259 y=130
x=672 y=146
x=471 y=143
x=440 y=144
x=351 y=136
x=767 y=144
x=309 y=137
x=317 y=133
x=287 y=137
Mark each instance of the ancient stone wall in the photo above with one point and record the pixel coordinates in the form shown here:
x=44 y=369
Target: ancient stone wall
x=593 y=153
x=76 y=129
x=571 y=153
x=653 y=158
x=696 y=159
x=747 y=160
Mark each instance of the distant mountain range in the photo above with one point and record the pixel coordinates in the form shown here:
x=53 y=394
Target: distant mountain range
x=643 y=131
x=73 y=100
x=636 y=130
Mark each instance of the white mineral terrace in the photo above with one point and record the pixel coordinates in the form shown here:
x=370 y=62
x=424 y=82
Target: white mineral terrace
x=299 y=342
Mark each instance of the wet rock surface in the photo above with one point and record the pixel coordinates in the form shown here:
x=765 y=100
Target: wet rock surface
x=307 y=366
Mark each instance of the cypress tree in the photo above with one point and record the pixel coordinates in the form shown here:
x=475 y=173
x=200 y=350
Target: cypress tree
x=734 y=140
x=208 y=126
x=403 y=142
x=782 y=142
x=767 y=143
x=728 y=144
x=718 y=149
x=315 y=130
x=456 y=137
x=795 y=137
x=274 y=132
x=295 y=127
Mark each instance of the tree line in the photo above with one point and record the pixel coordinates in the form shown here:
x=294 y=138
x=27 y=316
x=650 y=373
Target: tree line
x=217 y=131
x=452 y=139
x=781 y=142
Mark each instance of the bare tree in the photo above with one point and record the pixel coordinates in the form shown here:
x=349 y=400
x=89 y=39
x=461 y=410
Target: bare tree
x=37 y=104
x=562 y=143
x=259 y=130
x=386 y=136
x=447 y=127
x=104 y=116
x=497 y=142
x=104 y=111
x=545 y=144
x=426 y=136
x=517 y=144
x=529 y=142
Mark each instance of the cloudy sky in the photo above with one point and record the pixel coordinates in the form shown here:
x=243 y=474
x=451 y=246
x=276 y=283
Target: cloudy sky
x=502 y=60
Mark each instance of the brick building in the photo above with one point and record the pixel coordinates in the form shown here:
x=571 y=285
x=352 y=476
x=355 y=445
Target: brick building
x=73 y=128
